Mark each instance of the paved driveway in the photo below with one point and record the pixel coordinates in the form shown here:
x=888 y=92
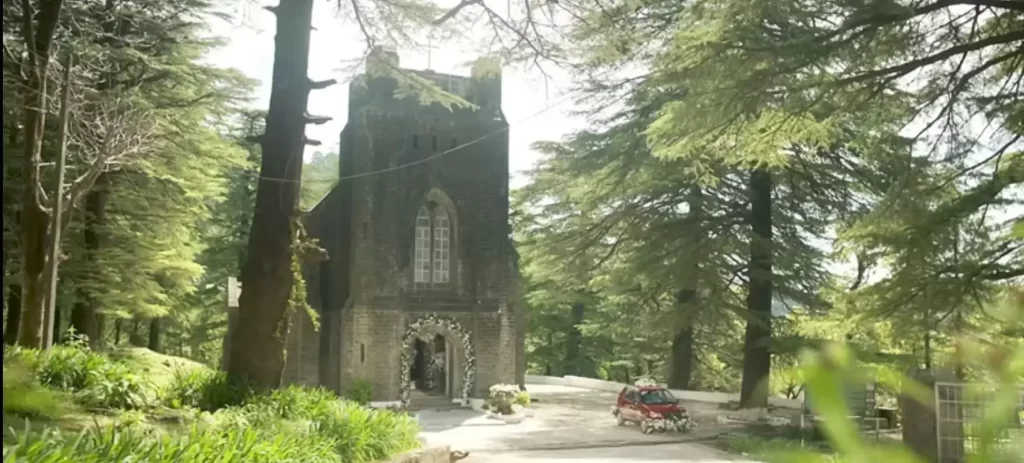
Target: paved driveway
x=664 y=453
x=568 y=423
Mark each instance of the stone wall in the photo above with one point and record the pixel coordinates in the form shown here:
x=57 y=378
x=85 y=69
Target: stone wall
x=372 y=342
x=437 y=454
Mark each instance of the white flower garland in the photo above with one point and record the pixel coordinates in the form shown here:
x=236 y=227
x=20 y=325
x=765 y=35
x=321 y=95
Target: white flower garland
x=684 y=424
x=645 y=382
x=429 y=325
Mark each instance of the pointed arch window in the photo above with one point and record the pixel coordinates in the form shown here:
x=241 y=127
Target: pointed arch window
x=422 y=258
x=432 y=253
x=442 y=246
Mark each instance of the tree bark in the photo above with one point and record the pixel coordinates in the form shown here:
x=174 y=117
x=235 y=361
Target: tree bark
x=39 y=28
x=681 y=366
x=687 y=303
x=574 y=345
x=757 y=359
x=56 y=334
x=154 y=335
x=84 y=313
x=258 y=356
x=13 y=315
x=117 y=331
x=135 y=336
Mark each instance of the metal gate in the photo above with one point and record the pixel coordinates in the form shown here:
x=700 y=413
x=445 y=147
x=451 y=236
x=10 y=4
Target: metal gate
x=959 y=411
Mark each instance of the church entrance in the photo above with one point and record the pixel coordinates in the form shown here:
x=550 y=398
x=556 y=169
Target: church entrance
x=429 y=372
x=437 y=363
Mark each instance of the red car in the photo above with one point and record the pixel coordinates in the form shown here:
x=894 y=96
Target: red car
x=654 y=408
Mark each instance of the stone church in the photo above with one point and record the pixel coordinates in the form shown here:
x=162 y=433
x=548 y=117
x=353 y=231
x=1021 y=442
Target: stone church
x=419 y=294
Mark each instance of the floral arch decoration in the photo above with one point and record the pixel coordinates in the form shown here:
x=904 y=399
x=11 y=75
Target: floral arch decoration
x=424 y=329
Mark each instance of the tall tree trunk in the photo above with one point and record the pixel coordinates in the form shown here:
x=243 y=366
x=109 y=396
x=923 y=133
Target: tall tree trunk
x=84 y=313
x=135 y=336
x=101 y=330
x=13 y=315
x=757 y=358
x=266 y=276
x=682 y=358
x=117 y=331
x=57 y=338
x=573 y=347
x=687 y=303
x=154 y=335
x=38 y=29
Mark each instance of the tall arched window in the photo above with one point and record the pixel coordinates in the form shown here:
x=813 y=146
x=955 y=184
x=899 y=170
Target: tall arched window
x=422 y=260
x=442 y=246
x=432 y=254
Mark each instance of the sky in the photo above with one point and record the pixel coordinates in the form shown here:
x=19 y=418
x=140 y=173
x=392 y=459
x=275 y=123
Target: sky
x=537 y=107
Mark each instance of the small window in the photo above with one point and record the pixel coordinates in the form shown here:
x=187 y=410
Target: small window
x=362 y=353
x=454 y=143
x=433 y=143
x=631 y=395
x=415 y=142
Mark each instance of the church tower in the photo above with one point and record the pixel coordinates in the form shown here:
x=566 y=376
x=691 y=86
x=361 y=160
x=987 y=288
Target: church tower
x=419 y=295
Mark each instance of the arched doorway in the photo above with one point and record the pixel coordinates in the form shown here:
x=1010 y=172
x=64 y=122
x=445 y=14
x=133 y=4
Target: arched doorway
x=431 y=365
x=429 y=349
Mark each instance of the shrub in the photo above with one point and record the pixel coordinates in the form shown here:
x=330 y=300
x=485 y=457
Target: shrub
x=222 y=445
x=93 y=378
x=359 y=391
x=71 y=368
x=114 y=387
x=522 y=399
x=204 y=389
x=26 y=398
x=361 y=434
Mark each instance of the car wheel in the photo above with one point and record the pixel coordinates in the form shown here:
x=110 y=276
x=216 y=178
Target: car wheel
x=619 y=420
x=645 y=427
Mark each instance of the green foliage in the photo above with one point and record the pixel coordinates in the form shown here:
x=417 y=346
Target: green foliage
x=94 y=379
x=24 y=397
x=200 y=444
x=522 y=398
x=204 y=389
x=294 y=424
x=360 y=434
x=319 y=175
x=359 y=391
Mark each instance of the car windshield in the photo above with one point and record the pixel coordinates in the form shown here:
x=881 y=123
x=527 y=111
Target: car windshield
x=657 y=397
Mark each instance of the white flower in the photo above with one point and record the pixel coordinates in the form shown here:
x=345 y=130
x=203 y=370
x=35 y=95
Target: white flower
x=645 y=382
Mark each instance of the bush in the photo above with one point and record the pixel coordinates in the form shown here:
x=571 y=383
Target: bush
x=359 y=391
x=522 y=399
x=207 y=390
x=70 y=368
x=93 y=378
x=24 y=397
x=114 y=387
x=361 y=434
x=222 y=445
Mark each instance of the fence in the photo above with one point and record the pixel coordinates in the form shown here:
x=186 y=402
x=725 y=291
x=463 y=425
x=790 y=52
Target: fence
x=960 y=409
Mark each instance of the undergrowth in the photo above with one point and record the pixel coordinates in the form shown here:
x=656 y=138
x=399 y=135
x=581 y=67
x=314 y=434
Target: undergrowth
x=214 y=419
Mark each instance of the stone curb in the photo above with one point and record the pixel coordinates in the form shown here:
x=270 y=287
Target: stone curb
x=597 y=445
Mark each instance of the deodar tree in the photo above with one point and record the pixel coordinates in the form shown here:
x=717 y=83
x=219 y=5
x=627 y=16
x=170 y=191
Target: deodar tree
x=923 y=139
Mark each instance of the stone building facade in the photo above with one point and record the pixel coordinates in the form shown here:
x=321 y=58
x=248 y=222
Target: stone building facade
x=419 y=242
